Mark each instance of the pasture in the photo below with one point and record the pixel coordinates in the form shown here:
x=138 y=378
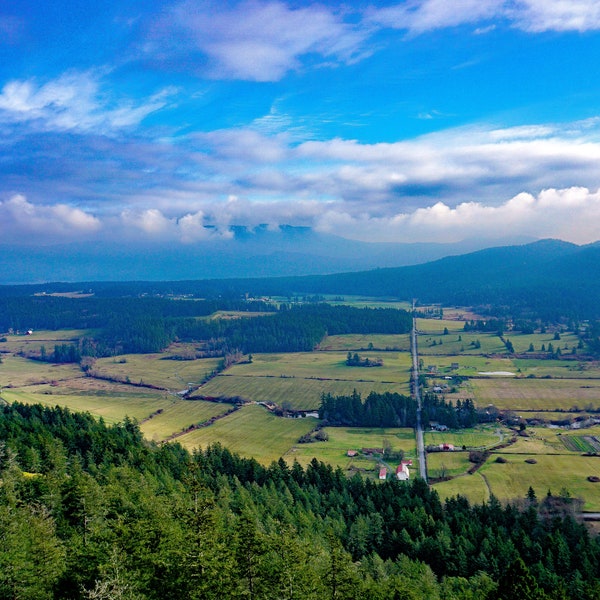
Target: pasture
x=444 y=464
x=361 y=342
x=341 y=439
x=534 y=394
x=156 y=369
x=251 y=431
x=180 y=414
x=550 y=472
x=16 y=371
x=473 y=487
x=112 y=408
x=483 y=436
x=290 y=392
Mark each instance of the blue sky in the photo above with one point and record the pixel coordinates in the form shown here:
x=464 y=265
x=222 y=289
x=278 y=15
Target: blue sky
x=425 y=120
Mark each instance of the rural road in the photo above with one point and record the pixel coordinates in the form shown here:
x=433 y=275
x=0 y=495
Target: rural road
x=417 y=396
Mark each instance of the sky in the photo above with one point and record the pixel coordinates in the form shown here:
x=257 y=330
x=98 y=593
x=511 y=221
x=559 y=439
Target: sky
x=415 y=121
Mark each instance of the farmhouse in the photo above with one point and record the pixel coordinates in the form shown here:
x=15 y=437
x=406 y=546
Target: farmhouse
x=383 y=473
x=438 y=426
x=351 y=453
x=402 y=473
x=447 y=447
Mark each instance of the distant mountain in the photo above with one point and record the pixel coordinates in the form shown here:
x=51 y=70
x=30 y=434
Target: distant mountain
x=261 y=252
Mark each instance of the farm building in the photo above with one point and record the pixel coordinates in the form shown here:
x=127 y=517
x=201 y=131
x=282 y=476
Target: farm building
x=402 y=473
x=383 y=473
x=371 y=451
x=447 y=447
x=351 y=453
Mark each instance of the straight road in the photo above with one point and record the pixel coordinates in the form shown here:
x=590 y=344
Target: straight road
x=417 y=396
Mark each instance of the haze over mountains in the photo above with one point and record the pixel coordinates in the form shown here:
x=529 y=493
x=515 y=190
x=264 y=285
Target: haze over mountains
x=260 y=252
x=546 y=278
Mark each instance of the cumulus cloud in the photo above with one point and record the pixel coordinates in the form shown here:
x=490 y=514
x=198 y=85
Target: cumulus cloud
x=254 y=40
x=20 y=220
x=570 y=214
x=73 y=102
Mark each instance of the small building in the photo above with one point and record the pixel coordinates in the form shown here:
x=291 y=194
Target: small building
x=351 y=453
x=402 y=473
x=372 y=451
x=438 y=426
x=454 y=366
x=447 y=447
x=383 y=473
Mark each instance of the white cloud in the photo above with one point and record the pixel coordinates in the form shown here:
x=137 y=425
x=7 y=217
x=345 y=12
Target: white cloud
x=20 y=219
x=555 y=15
x=73 y=102
x=256 y=40
x=571 y=214
x=419 y=16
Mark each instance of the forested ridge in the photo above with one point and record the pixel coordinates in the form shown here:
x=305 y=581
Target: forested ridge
x=89 y=510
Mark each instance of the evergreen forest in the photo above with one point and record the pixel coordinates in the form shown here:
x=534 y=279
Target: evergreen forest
x=89 y=510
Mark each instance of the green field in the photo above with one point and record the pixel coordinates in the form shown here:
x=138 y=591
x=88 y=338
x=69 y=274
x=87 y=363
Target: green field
x=291 y=392
x=426 y=326
x=16 y=372
x=341 y=439
x=513 y=478
x=252 y=431
x=447 y=464
x=360 y=342
x=111 y=408
x=534 y=394
x=479 y=437
x=473 y=487
x=180 y=414
x=156 y=369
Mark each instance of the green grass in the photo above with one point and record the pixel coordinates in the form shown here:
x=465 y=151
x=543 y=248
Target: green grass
x=443 y=464
x=112 y=409
x=479 y=437
x=438 y=325
x=252 y=431
x=155 y=370
x=472 y=487
x=341 y=439
x=16 y=371
x=358 y=342
x=180 y=414
x=512 y=479
x=296 y=393
x=534 y=394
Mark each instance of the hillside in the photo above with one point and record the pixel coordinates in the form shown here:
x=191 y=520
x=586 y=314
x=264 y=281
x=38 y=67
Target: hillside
x=548 y=278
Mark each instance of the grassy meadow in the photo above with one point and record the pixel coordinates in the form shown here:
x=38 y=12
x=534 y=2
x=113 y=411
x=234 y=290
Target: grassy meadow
x=341 y=439
x=156 y=369
x=252 y=431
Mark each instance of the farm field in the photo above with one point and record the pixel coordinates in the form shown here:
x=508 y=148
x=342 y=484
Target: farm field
x=479 y=437
x=156 y=369
x=252 y=431
x=33 y=342
x=443 y=464
x=534 y=394
x=17 y=372
x=555 y=473
x=360 y=342
x=111 y=408
x=179 y=415
x=326 y=365
x=341 y=439
x=291 y=392
x=473 y=487
x=425 y=326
